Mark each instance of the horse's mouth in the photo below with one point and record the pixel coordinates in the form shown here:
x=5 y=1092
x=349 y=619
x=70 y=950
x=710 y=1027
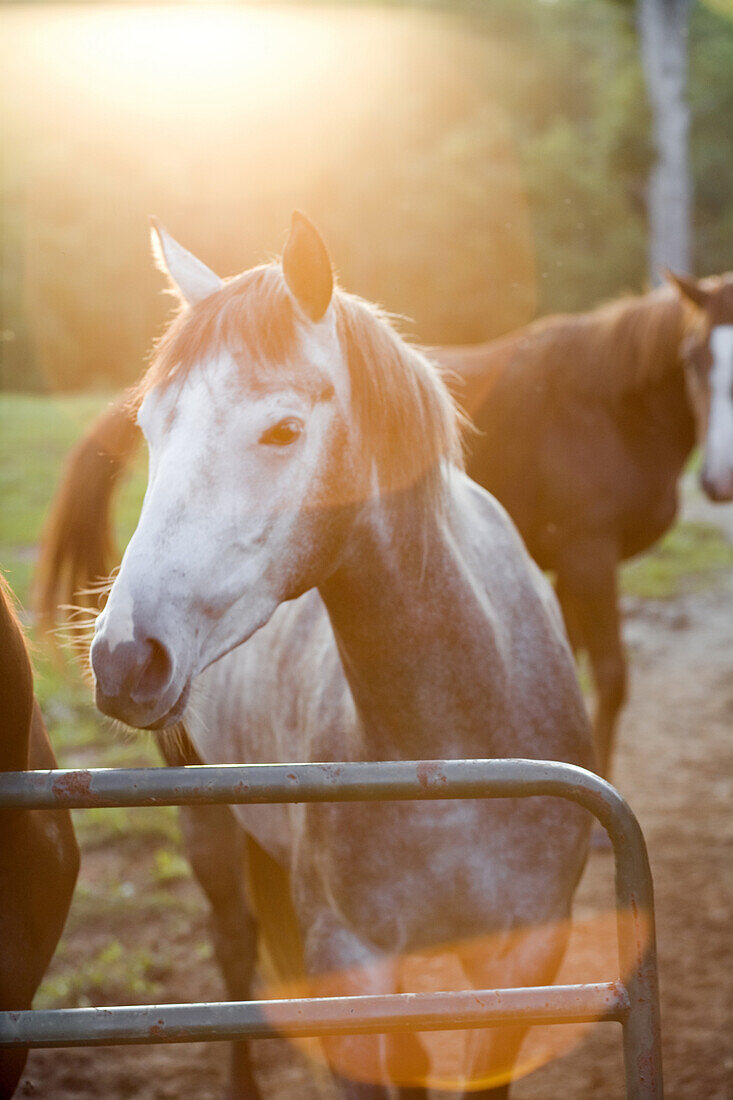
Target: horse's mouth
x=720 y=496
x=135 y=715
x=717 y=489
x=174 y=715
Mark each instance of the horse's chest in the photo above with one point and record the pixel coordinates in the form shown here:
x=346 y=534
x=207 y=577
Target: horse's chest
x=659 y=435
x=411 y=876
x=389 y=879
x=658 y=431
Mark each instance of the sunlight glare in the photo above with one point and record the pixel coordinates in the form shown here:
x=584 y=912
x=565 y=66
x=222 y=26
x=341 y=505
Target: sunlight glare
x=157 y=58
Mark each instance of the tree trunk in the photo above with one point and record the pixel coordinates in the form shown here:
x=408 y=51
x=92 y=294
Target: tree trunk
x=663 y=30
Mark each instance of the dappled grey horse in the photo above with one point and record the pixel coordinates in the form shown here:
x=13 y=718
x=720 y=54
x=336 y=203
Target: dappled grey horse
x=305 y=496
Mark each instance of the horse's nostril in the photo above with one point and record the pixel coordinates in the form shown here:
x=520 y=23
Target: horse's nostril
x=156 y=667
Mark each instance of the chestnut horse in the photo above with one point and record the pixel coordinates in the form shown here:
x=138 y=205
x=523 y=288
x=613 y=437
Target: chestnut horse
x=585 y=423
x=39 y=857
x=305 y=497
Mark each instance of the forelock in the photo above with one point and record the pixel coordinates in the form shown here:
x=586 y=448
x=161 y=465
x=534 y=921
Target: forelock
x=252 y=317
x=407 y=421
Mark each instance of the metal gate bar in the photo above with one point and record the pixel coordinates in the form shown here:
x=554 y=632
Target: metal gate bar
x=305 y=1017
x=634 y=1002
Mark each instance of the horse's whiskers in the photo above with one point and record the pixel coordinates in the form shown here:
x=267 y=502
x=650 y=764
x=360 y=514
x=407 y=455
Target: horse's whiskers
x=74 y=635
x=120 y=730
x=98 y=589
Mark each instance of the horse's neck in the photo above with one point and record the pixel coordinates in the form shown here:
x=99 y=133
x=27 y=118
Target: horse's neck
x=16 y=692
x=404 y=612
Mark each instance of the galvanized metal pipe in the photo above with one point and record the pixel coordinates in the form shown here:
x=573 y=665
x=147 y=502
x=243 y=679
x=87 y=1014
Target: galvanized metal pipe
x=355 y=781
x=314 y=1016
x=409 y=780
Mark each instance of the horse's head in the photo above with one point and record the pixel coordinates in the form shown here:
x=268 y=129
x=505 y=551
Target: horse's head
x=245 y=410
x=708 y=354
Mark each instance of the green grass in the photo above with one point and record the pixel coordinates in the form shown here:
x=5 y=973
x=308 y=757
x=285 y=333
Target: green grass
x=113 y=974
x=689 y=558
x=140 y=826
x=113 y=904
x=36 y=434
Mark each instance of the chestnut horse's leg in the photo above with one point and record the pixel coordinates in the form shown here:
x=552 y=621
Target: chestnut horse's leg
x=215 y=847
x=587 y=589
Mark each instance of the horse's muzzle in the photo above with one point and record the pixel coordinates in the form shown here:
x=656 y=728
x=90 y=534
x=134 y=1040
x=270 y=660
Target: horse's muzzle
x=134 y=683
x=718 y=489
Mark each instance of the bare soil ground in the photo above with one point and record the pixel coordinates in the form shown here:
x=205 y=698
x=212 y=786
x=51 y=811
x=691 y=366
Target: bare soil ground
x=674 y=764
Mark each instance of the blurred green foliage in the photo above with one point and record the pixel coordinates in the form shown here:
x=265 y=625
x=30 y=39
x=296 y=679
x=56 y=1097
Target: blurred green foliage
x=470 y=164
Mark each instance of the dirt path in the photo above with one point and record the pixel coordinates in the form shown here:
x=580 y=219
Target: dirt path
x=674 y=764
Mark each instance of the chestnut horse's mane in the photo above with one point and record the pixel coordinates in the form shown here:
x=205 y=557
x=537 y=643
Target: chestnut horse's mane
x=612 y=351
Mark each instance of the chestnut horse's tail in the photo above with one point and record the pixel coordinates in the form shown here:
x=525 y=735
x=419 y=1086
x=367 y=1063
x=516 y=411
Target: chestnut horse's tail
x=77 y=546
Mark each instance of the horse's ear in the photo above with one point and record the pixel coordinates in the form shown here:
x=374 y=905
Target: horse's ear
x=689 y=288
x=190 y=279
x=307 y=268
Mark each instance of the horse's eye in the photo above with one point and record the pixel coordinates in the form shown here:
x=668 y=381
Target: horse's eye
x=283 y=433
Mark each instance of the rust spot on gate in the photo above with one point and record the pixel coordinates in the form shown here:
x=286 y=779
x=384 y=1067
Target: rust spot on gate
x=72 y=785
x=430 y=773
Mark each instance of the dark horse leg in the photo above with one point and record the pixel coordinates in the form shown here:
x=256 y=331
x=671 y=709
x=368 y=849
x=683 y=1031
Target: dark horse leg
x=586 y=587
x=215 y=846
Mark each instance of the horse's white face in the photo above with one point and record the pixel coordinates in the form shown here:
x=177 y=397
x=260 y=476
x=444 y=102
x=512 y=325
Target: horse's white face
x=709 y=359
x=718 y=467
x=247 y=481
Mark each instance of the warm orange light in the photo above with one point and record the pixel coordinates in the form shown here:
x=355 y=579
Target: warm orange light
x=187 y=62
x=470 y=1060
x=384 y=125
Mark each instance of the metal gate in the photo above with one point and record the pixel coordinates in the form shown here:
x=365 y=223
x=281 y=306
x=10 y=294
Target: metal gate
x=633 y=1001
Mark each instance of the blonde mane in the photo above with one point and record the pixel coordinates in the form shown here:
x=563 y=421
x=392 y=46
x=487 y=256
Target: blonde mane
x=404 y=412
